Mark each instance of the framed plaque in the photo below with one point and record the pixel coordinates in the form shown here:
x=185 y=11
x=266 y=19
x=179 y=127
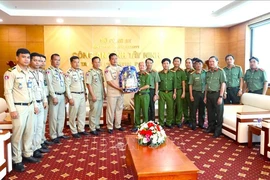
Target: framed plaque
x=129 y=79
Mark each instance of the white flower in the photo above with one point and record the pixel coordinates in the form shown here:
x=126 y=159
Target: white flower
x=145 y=140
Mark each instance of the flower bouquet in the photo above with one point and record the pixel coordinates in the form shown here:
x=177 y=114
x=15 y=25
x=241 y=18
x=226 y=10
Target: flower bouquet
x=151 y=134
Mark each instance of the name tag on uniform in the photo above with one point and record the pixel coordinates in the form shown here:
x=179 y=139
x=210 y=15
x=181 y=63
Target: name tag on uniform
x=29 y=84
x=62 y=83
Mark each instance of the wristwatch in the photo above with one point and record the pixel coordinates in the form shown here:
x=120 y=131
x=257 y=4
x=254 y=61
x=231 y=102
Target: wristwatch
x=220 y=96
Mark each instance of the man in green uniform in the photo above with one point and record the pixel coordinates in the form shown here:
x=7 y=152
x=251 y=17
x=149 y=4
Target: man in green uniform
x=96 y=89
x=234 y=75
x=167 y=93
x=196 y=89
x=154 y=80
x=141 y=98
x=215 y=88
x=186 y=100
x=255 y=78
x=180 y=91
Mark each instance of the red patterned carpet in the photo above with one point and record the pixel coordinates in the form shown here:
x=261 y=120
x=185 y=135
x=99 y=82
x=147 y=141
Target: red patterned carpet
x=103 y=158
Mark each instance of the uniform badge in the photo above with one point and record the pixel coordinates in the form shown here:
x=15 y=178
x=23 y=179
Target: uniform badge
x=6 y=77
x=47 y=72
x=62 y=83
x=20 y=86
x=29 y=84
x=106 y=71
x=96 y=79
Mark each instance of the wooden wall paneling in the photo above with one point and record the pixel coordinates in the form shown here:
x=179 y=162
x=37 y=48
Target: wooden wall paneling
x=192 y=34
x=17 y=33
x=34 y=34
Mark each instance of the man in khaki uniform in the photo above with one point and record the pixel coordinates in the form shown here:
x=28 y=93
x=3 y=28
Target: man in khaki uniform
x=154 y=80
x=180 y=91
x=213 y=98
x=75 y=90
x=56 y=84
x=234 y=75
x=114 y=95
x=44 y=141
x=95 y=85
x=41 y=100
x=255 y=78
x=18 y=91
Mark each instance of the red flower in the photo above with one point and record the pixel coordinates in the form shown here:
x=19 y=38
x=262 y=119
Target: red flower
x=150 y=124
x=158 y=127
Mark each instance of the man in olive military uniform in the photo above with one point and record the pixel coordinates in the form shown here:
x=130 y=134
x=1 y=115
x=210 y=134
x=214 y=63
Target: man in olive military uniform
x=186 y=101
x=154 y=80
x=115 y=96
x=196 y=89
x=56 y=84
x=18 y=91
x=167 y=93
x=95 y=85
x=141 y=98
x=180 y=91
x=41 y=100
x=44 y=141
x=76 y=93
x=214 y=91
x=234 y=75
x=255 y=78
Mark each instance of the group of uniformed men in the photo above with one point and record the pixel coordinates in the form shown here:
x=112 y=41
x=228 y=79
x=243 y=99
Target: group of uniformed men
x=30 y=91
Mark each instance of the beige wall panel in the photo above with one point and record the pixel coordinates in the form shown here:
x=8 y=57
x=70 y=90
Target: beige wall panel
x=192 y=49
x=192 y=34
x=4 y=51
x=207 y=35
x=35 y=47
x=207 y=50
x=13 y=46
x=233 y=34
x=221 y=35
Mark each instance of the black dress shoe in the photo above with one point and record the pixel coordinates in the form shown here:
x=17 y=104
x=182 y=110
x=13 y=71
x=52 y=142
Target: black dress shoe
x=42 y=150
x=63 y=137
x=169 y=126
x=193 y=127
x=99 y=130
x=37 y=154
x=110 y=131
x=84 y=133
x=56 y=141
x=135 y=129
x=202 y=127
x=77 y=136
x=179 y=125
x=48 y=143
x=31 y=159
x=121 y=129
x=43 y=146
x=95 y=133
x=216 y=135
x=209 y=131
x=19 y=167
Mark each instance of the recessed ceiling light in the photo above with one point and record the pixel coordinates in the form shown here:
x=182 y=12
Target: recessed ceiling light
x=1 y=20
x=59 y=20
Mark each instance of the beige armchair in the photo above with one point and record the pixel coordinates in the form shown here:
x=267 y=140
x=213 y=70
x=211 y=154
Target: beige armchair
x=5 y=120
x=265 y=139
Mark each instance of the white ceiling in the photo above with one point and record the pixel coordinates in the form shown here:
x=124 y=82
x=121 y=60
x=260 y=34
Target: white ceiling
x=137 y=13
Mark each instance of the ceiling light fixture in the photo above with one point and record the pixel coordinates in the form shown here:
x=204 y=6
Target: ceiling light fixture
x=59 y=20
x=1 y=20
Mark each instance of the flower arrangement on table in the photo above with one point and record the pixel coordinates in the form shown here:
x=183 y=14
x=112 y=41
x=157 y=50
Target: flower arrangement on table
x=151 y=134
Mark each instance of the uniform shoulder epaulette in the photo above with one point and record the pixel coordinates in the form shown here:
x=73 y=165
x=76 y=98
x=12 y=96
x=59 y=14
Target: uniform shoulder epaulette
x=100 y=69
x=90 y=70
x=107 y=67
x=160 y=71
x=204 y=70
x=172 y=70
x=192 y=72
x=145 y=73
x=153 y=70
x=11 y=69
x=261 y=69
x=220 y=68
x=238 y=66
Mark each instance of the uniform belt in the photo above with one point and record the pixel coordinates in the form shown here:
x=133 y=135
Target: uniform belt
x=39 y=101
x=256 y=90
x=210 y=92
x=77 y=92
x=142 y=93
x=59 y=93
x=24 y=104
x=179 y=89
x=233 y=87
x=167 y=91
x=201 y=91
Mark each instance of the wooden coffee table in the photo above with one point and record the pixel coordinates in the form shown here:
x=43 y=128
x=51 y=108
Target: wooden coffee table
x=253 y=130
x=164 y=162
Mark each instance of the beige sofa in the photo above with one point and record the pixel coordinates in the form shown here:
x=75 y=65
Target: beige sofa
x=265 y=139
x=237 y=117
x=5 y=120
